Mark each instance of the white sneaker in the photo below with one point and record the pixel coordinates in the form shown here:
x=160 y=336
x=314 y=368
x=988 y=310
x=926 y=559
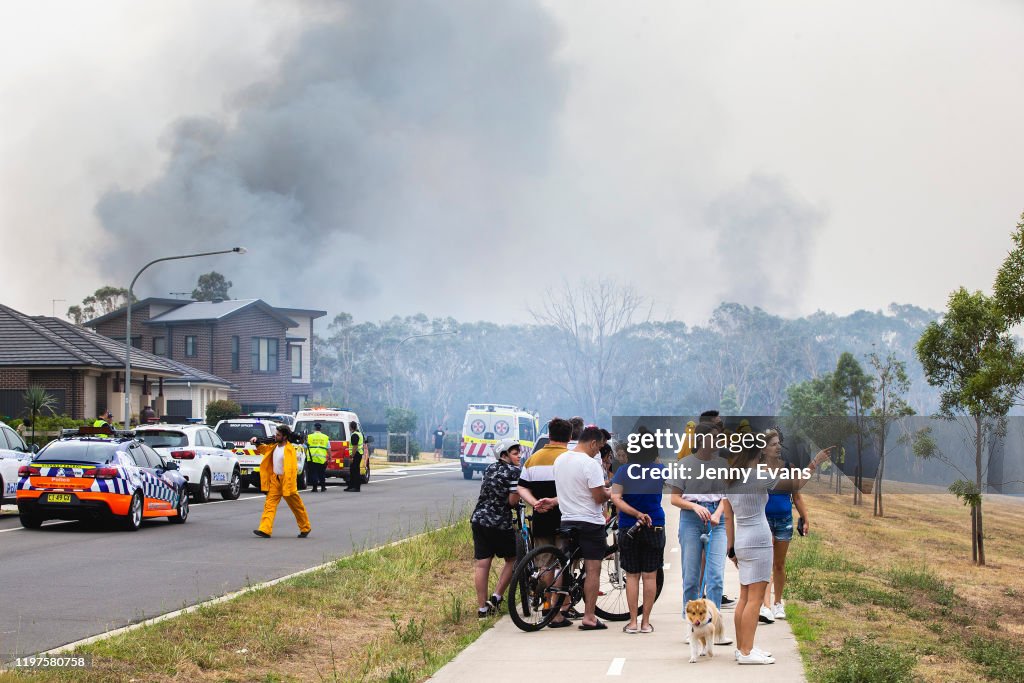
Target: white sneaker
x=765 y=616
x=736 y=652
x=779 y=611
x=754 y=657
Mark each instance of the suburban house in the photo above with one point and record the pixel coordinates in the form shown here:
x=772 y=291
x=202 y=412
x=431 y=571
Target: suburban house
x=84 y=372
x=263 y=351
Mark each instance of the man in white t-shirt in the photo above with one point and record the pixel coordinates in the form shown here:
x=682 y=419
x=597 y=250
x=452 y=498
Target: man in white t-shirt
x=580 y=483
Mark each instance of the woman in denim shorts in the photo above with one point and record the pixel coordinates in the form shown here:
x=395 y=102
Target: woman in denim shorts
x=779 y=511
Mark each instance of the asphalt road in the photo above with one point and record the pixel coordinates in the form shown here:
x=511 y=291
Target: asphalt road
x=68 y=581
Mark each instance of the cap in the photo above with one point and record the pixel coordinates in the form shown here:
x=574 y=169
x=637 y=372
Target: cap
x=316 y=425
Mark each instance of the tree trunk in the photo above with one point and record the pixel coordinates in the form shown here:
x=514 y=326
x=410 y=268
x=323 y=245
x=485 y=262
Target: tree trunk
x=974 y=534
x=979 y=532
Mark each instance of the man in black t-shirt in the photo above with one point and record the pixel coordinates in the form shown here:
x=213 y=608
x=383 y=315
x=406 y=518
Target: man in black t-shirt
x=438 y=442
x=493 y=531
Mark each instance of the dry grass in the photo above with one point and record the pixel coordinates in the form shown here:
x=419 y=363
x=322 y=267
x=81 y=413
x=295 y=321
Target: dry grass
x=907 y=580
x=394 y=615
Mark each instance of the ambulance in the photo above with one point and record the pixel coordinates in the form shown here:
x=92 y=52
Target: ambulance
x=334 y=423
x=488 y=423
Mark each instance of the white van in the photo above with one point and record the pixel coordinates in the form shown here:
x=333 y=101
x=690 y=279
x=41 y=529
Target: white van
x=488 y=423
x=334 y=423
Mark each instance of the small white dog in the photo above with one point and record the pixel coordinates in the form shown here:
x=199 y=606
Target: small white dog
x=705 y=627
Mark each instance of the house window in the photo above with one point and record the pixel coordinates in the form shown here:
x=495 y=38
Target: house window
x=190 y=346
x=264 y=354
x=296 y=358
x=299 y=402
x=234 y=353
x=160 y=346
x=136 y=342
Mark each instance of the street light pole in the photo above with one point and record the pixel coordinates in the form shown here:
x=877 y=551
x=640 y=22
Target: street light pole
x=128 y=324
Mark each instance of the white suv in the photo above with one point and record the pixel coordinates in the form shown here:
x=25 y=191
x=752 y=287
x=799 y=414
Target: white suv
x=14 y=453
x=201 y=456
x=237 y=432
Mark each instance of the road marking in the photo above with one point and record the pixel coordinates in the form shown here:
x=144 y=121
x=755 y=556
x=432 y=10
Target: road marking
x=413 y=476
x=19 y=528
x=615 y=669
x=667 y=566
x=224 y=598
x=217 y=502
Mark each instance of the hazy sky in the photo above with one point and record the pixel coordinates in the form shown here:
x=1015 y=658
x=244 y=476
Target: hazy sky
x=460 y=158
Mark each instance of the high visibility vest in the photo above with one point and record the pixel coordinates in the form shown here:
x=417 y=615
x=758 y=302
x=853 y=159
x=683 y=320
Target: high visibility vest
x=357 y=443
x=100 y=422
x=318 y=443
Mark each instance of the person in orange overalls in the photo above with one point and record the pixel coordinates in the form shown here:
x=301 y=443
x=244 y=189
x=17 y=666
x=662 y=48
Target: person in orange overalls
x=278 y=471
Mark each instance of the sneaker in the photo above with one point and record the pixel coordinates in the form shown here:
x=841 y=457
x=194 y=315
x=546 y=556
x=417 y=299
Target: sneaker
x=724 y=640
x=727 y=601
x=764 y=652
x=779 y=611
x=494 y=601
x=765 y=616
x=754 y=657
x=483 y=613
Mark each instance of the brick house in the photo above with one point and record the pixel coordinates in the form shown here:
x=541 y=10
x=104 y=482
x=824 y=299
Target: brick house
x=265 y=352
x=84 y=371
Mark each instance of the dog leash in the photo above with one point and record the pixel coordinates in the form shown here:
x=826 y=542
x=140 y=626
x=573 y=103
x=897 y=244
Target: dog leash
x=705 y=538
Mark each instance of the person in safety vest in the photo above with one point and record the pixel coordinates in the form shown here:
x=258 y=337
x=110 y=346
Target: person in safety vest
x=356 y=455
x=278 y=472
x=317 y=444
x=103 y=422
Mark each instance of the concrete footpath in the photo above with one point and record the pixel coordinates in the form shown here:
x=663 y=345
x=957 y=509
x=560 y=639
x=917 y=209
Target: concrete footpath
x=504 y=653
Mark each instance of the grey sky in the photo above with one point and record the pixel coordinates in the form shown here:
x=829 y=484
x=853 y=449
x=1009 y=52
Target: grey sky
x=797 y=156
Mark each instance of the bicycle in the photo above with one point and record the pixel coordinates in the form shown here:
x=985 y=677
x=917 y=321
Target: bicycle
x=524 y=539
x=549 y=575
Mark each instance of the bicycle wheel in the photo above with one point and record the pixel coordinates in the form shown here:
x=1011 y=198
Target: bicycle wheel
x=530 y=605
x=611 y=597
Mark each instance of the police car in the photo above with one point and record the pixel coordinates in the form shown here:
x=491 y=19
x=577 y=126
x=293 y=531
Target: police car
x=236 y=434
x=84 y=476
x=14 y=453
x=202 y=458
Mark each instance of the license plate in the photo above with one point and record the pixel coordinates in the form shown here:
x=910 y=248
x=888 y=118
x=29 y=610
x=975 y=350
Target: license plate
x=59 y=498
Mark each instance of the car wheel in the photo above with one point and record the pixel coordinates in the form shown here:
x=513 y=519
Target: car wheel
x=182 y=515
x=234 y=488
x=300 y=481
x=366 y=477
x=30 y=521
x=203 y=492
x=467 y=474
x=133 y=520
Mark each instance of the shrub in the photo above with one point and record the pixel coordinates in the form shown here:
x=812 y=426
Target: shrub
x=220 y=410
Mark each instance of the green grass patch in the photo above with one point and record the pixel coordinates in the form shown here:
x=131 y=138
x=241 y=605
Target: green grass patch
x=1003 y=661
x=923 y=580
x=861 y=660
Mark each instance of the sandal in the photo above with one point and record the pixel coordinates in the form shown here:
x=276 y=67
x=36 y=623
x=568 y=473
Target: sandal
x=564 y=623
x=599 y=626
x=628 y=629
x=647 y=628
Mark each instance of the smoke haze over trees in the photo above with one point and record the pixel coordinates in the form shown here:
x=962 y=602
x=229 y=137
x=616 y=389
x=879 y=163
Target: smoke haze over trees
x=745 y=355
